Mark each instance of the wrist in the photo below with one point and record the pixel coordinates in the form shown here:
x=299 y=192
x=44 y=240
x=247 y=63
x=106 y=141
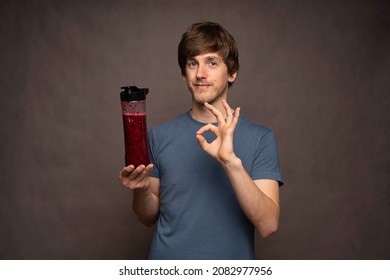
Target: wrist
x=232 y=163
x=142 y=190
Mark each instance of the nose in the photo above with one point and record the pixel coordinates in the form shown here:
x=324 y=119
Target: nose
x=201 y=72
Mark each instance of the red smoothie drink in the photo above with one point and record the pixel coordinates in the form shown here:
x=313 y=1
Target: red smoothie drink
x=136 y=147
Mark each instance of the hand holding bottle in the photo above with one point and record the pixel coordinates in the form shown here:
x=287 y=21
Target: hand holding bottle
x=136 y=178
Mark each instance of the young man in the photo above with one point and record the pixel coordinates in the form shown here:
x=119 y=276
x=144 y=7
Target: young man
x=214 y=175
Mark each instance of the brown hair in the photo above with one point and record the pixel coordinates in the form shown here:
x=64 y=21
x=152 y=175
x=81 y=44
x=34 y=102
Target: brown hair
x=206 y=37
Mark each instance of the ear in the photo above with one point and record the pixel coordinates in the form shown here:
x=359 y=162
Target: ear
x=232 y=77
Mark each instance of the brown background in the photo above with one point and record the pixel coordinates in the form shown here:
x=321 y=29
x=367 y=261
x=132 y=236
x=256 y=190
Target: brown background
x=316 y=72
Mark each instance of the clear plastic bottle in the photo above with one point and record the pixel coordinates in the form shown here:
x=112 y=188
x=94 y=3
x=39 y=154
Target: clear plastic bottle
x=133 y=101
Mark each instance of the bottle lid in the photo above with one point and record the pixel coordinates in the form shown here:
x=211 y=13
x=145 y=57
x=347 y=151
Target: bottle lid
x=133 y=93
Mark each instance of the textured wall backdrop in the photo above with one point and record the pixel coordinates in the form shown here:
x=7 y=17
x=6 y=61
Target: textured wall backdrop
x=316 y=72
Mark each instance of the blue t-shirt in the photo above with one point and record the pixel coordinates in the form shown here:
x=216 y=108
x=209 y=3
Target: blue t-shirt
x=200 y=217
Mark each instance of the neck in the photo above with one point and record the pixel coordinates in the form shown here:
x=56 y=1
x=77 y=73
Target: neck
x=200 y=113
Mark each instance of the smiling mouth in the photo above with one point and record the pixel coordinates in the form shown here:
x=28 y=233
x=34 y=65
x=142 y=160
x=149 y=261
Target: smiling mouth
x=202 y=85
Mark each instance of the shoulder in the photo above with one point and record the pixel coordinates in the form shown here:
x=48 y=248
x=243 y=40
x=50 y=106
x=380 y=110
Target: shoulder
x=247 y=126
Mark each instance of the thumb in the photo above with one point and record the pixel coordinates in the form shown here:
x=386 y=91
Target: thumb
x=202 y=141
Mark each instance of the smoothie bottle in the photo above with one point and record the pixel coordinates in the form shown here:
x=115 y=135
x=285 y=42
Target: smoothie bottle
x=133 y=101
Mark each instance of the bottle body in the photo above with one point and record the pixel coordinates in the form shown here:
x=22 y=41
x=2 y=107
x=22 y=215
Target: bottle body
x=135 y=132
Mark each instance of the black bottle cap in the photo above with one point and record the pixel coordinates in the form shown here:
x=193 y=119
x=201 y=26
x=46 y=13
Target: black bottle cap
x=133 y=93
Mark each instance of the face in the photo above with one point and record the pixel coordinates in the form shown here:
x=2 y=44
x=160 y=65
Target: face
x=207 y=78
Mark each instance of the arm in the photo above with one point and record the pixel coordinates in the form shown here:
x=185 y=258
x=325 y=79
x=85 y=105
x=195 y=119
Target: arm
x=258 y=199
x=146 y=202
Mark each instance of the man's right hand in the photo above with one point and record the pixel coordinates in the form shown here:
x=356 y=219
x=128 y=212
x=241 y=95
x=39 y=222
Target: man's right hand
x=136 y=179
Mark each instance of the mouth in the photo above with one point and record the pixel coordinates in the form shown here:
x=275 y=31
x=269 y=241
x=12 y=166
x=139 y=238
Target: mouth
x=202 y=86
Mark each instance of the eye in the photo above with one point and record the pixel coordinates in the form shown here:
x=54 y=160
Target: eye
x=191 y=64
x=213 y=63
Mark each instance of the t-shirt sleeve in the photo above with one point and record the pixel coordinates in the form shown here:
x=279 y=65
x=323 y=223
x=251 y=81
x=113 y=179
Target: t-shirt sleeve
x=266 y=161
x=152 y=145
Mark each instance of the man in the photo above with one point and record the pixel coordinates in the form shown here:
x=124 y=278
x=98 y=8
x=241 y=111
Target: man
x=214 y=175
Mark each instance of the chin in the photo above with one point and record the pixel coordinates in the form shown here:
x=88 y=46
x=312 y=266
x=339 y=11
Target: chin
x=199 y=98
x=202 y=97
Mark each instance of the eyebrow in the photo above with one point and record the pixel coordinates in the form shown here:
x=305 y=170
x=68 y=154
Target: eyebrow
x=212 y=57
x=208 y=58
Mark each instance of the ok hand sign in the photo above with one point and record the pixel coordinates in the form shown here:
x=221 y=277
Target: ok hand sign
x=222 y=147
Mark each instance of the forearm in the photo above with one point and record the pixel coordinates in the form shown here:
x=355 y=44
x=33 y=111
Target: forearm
x=260 y=209
x=145 y=206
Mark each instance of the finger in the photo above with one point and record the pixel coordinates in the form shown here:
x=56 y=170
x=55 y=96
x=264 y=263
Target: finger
x=148 y=169
x=126 y=171
x=202 y=141
x=132 y=173
x=142 y=172
x=229 y=115
x=138 y=177
x=138 y=171
x=208 y=127
x=216 y=112
x=236 y=116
